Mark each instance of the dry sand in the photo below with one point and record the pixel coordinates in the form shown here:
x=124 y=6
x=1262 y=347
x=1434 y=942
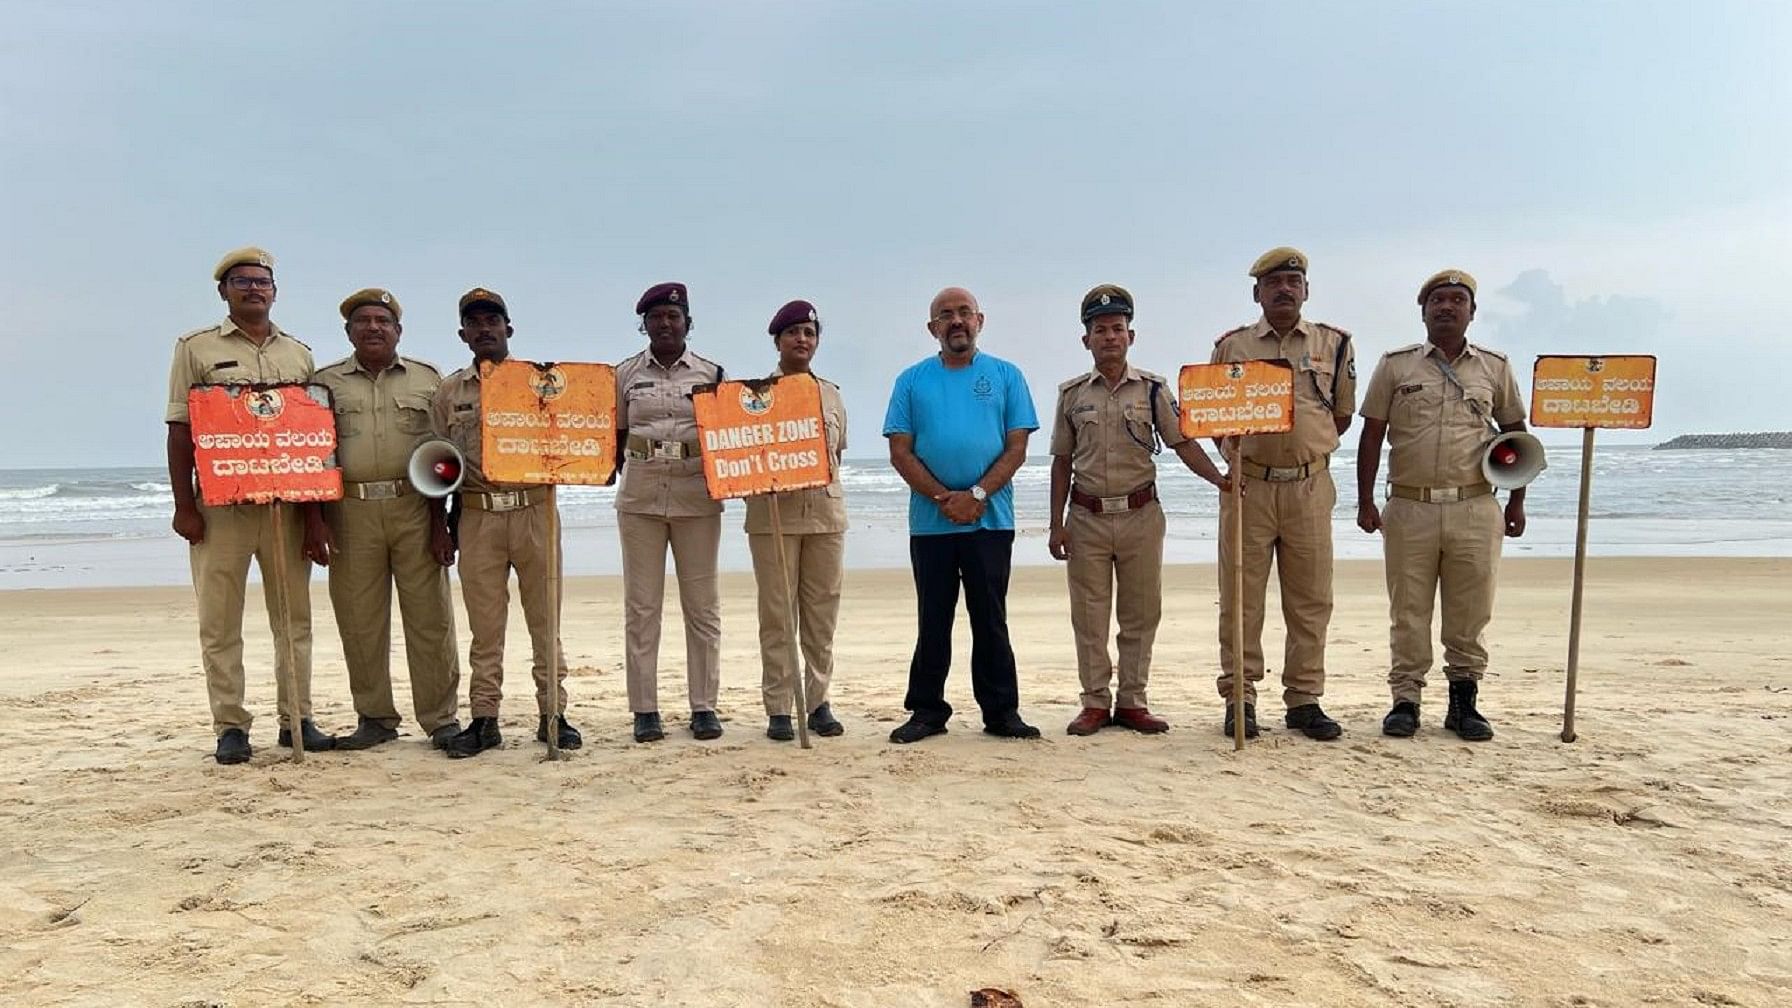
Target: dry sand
x=1648 y=863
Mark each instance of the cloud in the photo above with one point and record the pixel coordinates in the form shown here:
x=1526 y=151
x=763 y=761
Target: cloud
x=1550 y=322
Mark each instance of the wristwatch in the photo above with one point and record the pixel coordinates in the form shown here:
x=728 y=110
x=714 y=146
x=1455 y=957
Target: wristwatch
x=979 y=494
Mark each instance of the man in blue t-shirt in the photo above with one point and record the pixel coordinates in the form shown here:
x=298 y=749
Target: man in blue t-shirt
x=958 y=425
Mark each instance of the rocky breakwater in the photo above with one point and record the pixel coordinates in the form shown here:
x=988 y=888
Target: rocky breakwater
x=1763 y=439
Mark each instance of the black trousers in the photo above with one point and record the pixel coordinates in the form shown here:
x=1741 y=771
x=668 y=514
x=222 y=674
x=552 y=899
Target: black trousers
x=980 y=562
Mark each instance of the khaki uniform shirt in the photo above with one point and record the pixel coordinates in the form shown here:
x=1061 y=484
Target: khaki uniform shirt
x=380 y=415
x=654 y=401
x=1434 y=435
x=818 y=509
x=454 y=414
x=1313 y=348
x=224 y=355
x=1109 y=433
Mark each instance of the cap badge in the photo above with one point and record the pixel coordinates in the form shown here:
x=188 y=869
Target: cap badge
x=385 y=297
x=1453 y=279
x=811 y=314
x=1105 y=298
x=672 y=296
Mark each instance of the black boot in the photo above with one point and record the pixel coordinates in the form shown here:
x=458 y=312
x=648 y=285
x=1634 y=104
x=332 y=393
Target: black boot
x=1462 y=718
x=565 y=735
x=780 y=728
x=233 y=746
x=1250 y=720
x=481 y=735
x=315 y=741
x=367 y=734
x=823 y=722
x=1402 y=721
x=648 y=727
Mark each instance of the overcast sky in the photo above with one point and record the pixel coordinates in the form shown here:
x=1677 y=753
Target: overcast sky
x=1617 y=175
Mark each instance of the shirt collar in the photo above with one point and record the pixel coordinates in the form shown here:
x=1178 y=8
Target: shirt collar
x=230 y=328
x=1263 y=328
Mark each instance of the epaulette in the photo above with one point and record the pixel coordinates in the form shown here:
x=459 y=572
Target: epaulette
x=201 y=331
x=470 y=371
x=431 y=368
x=1488 y=351
x=1409 y=348
x=1070 y=383
x=1345 y=333
x=336 y=363
x=1153 y=376
x=1230 y=332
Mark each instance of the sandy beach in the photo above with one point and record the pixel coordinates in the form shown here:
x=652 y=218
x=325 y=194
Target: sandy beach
x=1650 y=862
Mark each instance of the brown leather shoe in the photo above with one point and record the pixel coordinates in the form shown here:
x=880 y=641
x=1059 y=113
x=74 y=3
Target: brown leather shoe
x=1140 y=720
x=1090 y=721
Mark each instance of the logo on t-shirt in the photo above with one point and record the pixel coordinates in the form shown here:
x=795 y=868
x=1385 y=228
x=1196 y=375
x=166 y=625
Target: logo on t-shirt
x=982 y=387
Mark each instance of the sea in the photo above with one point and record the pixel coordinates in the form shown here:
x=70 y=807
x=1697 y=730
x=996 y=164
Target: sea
x=110 y=527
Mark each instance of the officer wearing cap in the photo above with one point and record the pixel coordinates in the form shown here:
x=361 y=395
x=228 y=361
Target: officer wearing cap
x=384 y=533
x=246 y=348
x=813 y=523
x=1288 y=497
x=1435 y=404
x=663 y=503
x=503 y=527
x=1105 y=517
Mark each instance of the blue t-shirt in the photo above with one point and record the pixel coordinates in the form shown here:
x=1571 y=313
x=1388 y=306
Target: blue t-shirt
x=959 y=418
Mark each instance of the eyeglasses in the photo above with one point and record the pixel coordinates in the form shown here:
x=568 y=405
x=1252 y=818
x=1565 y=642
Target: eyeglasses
x=948 y=314
x=251 y=283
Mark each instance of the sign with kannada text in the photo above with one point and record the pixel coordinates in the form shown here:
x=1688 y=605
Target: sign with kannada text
x=1236 y=398
x=1615 y=392
x=257 y=444
x=548 y=423
x=762 y=436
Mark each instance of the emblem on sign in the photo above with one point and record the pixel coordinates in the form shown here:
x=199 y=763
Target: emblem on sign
x=548 y=384
x=755 y=401
x=265 y=405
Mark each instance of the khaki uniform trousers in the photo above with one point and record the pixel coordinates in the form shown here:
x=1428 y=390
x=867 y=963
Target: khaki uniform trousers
x=815 y=562
x=491 y=544
x=1290 y=523
x=1115 y=567
x=694 y=542
x=1457 y=544
x=379 y=544
x=220 y=564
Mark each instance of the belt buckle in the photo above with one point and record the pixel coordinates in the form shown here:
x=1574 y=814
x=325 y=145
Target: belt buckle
x=668 y=450
x=505 y=500
x=1444 y=495
x=1284 y=474
x=1120 y=503
x=382 y=490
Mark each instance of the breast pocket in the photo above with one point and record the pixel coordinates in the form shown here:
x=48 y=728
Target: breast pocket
x=350 y=419
x=1421 y=407
x=413 y=413
x=1475 y=407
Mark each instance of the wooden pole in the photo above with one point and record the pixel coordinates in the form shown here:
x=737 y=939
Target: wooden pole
x=1580 y=568
x=1237 y=594
x=295 y=723
x=553 y=732
x=801 y=690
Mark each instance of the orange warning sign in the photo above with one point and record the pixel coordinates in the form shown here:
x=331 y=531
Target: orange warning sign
x=762 y=436
x=548 y=423
x=1614 y=392
x=1238 y=397
x=256 y=444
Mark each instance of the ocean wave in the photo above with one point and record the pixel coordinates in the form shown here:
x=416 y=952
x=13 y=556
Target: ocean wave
x=30 y=493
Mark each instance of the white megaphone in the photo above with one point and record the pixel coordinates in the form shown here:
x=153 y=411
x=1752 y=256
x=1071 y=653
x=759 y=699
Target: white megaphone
x=436 y=468
x=1512 y=459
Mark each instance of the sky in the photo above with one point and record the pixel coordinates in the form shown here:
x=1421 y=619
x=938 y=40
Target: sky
x=1618 y=176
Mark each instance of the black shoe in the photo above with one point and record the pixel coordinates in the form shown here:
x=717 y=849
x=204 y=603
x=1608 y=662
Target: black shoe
x=368 y=733
x=481 y=735
x=233 y=747
x=823 y=722
x=444 y=734
x=567 y=737
x=1010 y=725
x=1250 y=721
x=1313 y=723
x=1462 y=718
x=705 y=725
x=915 y=729
x=315 y=741
x=780 y=728
x=1402 y=721
x=648 y=727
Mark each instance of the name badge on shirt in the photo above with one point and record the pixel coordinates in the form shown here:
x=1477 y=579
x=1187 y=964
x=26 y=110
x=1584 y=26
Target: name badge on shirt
x=1404 y=389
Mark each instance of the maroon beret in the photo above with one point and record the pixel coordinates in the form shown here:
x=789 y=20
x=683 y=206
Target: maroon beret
x=666 y=293
x=793 y=313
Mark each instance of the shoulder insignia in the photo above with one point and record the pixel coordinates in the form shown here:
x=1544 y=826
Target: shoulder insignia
x=1221 y=338
x=1409 y=348
x=425 y=365
x=1070 y=383
x=201 y=331
x=1488 y=351
x=335 y=364
x=1153 y=376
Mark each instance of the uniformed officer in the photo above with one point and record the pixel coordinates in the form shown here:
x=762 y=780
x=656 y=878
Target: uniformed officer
x=246 y=348
x=503 y=526
x=1436 y=403
x=383 y=532
x=813 y=523
x=664 y=502
x=1288 y=497
x=1106 y=429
